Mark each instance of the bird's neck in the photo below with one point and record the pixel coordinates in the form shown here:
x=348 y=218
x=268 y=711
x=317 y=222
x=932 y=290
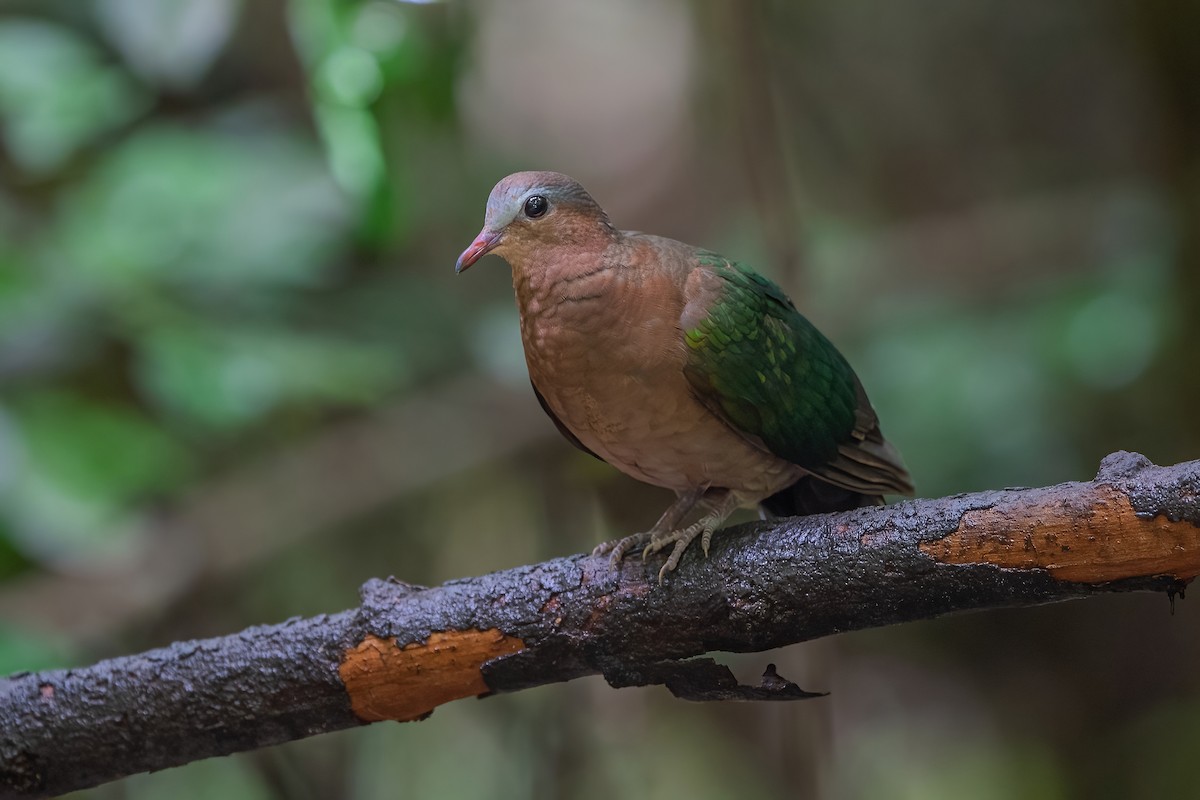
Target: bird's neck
x=578 y=266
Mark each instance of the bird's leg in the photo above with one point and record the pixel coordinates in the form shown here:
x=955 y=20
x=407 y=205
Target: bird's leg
x=665 y=525
x=704 y=527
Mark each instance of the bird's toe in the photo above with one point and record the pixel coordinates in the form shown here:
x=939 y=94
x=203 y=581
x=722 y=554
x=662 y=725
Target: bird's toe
x=678 y=540
x=618 y=548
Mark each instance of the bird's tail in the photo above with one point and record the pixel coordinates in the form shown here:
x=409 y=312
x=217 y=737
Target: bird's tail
x=811 y=495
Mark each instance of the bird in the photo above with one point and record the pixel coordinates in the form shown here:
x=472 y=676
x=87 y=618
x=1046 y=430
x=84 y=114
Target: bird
x=681 y=368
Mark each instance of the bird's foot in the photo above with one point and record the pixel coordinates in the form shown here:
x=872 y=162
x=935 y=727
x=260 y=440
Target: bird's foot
x=651 y=542
x=680 y=539
x=670 y=518
x=619 y=547
x=664 y=534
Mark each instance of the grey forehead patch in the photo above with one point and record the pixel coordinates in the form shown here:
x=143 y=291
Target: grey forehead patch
x=504 y=202
x=506 y=199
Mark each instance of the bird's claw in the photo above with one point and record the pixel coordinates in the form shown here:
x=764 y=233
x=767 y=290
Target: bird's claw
x=619 y=547
x=673 y=559
x=660 y=540
x=680 y=539
x=654 y=541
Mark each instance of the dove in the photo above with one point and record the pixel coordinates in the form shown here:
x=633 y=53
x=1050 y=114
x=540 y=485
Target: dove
x=681 y=368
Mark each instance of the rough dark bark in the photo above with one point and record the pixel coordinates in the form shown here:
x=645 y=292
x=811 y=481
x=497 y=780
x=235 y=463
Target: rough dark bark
x=407 y=649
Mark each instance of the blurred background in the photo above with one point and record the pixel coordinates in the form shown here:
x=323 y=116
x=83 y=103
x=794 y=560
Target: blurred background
x=238 y=376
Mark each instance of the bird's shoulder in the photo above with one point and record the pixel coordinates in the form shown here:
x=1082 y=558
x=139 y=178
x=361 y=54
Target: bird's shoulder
x=653 y=255
x=762 y=366
x=698 y=271
x=724 y=292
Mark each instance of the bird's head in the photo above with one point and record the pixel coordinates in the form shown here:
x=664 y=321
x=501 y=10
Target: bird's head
x=531 y=210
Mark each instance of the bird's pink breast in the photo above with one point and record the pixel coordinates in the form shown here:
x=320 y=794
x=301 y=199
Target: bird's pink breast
x=607 y=355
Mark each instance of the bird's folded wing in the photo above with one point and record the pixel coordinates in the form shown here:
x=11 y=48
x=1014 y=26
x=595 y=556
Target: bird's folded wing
x=757 y=363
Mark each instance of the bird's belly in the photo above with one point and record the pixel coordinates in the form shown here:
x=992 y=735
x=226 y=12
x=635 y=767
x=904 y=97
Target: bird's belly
x=616 y=382
x=656 y=431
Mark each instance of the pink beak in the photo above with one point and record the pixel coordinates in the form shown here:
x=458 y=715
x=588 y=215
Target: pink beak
x=483 y=244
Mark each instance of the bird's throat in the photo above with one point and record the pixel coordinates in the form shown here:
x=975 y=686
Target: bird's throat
x=549 y=281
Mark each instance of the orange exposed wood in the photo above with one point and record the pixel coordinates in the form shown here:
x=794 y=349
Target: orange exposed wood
x=1092 y=538
x=386 y=681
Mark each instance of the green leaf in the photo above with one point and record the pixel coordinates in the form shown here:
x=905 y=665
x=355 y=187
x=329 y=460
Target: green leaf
x=82 y=466
x=96 y=451
x=228 y=378
x=12 y=561
x=57 y=95
x=204 y=210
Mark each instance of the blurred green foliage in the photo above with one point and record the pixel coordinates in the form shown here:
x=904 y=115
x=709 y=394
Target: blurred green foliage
x=226 y=238
x=57 y=94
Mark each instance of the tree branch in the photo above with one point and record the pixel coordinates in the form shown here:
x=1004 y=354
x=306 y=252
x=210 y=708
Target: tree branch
x=408 y=649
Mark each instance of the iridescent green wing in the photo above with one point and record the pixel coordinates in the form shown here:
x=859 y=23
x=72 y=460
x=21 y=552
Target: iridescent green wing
x=757 y=362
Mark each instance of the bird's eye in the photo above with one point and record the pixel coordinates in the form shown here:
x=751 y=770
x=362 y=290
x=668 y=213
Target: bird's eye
x=535 y=206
